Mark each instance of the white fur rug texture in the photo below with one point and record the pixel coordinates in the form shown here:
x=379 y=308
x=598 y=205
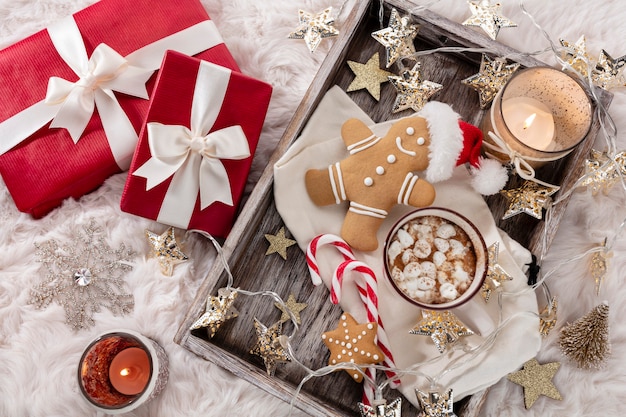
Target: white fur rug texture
x=39 y=352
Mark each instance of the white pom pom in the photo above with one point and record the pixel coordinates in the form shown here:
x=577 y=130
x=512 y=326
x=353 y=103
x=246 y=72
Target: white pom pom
x=490 y=178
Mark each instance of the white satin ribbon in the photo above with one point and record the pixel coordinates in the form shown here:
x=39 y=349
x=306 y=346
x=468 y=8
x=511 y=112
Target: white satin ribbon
x=193 y=156
x=523 y=168
x=70 y=105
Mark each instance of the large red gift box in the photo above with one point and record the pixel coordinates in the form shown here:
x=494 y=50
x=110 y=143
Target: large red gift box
x=195 y=150
x=41 y=165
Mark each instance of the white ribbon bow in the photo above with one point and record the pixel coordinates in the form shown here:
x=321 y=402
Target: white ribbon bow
x=197 y=158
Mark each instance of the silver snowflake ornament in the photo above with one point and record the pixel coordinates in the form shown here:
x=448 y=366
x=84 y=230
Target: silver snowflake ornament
x=83 y=276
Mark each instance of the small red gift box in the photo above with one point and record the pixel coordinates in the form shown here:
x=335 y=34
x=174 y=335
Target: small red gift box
x=87 y=74
x=195 y=150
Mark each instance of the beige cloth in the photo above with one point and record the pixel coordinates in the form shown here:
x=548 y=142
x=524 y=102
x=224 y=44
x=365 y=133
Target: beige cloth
x=318 y=146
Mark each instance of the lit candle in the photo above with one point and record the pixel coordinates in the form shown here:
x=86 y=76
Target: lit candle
x=130 y=371
x=530 y=121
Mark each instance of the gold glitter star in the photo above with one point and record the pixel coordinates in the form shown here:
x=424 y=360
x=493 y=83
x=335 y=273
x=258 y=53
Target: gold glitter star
x=434 y=404
x=608 y=72
x=291 y=305
x=413 y=93
x=380 y=408
x=279 y=243
x=530 y=198
x=576 y=55
x=369 y=76
x=443 y=327
x=496 y=275
x=601 y=173
x=314 y=28
x=353 y=342
x=536 y=380
x=491 y=77
x=547 y=317
x=165 y=248
x=397 y=38
x=487 y=16
x=268 y=345
x=218 y=310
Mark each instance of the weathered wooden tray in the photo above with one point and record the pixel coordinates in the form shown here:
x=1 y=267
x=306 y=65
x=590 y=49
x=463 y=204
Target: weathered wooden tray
x=336 y=394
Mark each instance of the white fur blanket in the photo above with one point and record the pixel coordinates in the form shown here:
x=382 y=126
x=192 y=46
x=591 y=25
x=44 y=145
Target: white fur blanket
x=39 y=353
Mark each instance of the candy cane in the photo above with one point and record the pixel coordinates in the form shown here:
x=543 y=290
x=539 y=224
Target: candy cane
x=311 y=253
x=368 y=291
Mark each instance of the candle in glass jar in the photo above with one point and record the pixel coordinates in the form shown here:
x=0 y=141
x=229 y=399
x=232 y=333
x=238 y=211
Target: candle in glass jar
x=129 y=371
x=530 y=121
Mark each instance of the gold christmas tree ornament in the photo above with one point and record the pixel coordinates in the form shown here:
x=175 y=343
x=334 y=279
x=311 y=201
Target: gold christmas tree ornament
x=608 y=72
x=380 y=408
x=279 y=243
x=531 y=198
x=487 y=16
x=586 y=341
x=268 y=345
x=218 y=310
x=397 y=38
x=576 y=56
x=491 y=77
x=291 y=305
x=165 y=249
x=369 y=76
x=536 y=380
x=443 y=327
x=496 y=275
x=413 y=92
x=314 y=27
x=435 y=404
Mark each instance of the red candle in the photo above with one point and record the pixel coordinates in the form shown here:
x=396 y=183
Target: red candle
x=130 y=371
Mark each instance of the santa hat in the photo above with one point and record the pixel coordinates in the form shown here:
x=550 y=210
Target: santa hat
x=454 y=142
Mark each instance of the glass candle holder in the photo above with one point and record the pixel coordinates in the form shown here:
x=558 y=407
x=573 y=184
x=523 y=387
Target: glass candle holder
x=121 y=370
x=541 y=113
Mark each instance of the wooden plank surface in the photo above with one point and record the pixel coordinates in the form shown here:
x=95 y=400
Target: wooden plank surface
x=337 y=394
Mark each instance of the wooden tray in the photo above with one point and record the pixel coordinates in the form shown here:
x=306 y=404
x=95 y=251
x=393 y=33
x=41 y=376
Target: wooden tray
x=337 y=394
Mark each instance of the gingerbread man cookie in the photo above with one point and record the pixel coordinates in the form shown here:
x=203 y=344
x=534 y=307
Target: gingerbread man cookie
x=381 y=172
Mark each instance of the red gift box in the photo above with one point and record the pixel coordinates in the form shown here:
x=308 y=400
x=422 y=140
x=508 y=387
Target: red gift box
x=196 y=148
x=41 y=165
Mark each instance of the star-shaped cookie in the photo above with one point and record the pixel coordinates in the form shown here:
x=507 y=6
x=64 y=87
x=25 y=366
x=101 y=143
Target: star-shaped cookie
x=353 y=342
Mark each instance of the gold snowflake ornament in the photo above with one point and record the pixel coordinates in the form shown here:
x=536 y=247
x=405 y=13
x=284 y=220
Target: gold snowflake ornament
x=83 y=276
x=413 y=92
x=397 y=38
x=491 y=77
x=487 y=16
x=314 y=27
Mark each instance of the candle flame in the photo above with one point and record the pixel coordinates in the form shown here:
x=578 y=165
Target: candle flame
x=125 y=372
x=529 y=120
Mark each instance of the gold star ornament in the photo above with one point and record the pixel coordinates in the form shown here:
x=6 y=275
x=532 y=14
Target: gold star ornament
x=369 y=76
x=165 y=248
x=314 y=27
x=218 y=310
x=491 y=77
x=531 y=198
x=268 y=345
x=413 y=92
x=291 y=305
x=487 y=16
x=443 y=327
x=380 y=408
x=576 y=56
x=353 y=342
x=496 y=275
x=397 y=38
x=603 y=172
x=609 y=72
x=536 y=380
x=435 y=404
x=279 y=243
